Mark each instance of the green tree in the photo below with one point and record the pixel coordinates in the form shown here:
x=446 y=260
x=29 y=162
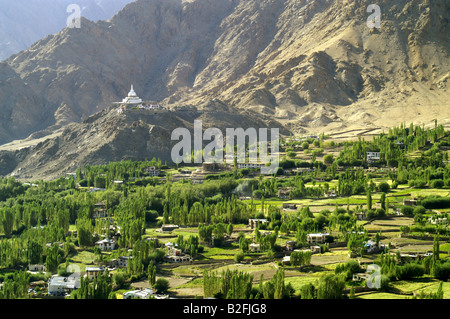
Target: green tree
x=307 y=291
x=34 y=252
x=330 y=287
x=53 y=258
x=7 y=220
x=369 y=199
x=162 y=286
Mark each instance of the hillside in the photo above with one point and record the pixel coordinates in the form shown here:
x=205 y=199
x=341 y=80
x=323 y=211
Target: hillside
x=108 y=136
x=310 y=66
x=23 y=22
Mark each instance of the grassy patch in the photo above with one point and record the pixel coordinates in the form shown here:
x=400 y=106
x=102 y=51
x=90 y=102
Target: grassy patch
x=83 y=257
x=300 y=281
x=196 y=283
x=382 y=295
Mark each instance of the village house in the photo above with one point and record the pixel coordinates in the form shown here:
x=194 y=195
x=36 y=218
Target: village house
x=177 y=259
x=319 y=238
x=168 y=228
x=139 y=294
x=210 y=166
x=289 y=245
x=254 y=248
x=170 y=246
x=361 y=215
x=284 y=193
x=330 y=193
x=99 y=210
x=175 y=255
x=410 y=201
x=253 y=223
x=152 y=171
x=92 y=272
x=372 y=247
x=373 y=157
x=290 y=206
x=417 y=256
x=106 y=244
x=315 y=249
x=361 y=276
x=37 y=268
x=437 y=220
x=60 y=286
x=123 y=261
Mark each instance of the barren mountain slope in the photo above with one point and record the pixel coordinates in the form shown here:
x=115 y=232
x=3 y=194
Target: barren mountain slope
x=306 y=63
x=109 y=136
x=23 y=22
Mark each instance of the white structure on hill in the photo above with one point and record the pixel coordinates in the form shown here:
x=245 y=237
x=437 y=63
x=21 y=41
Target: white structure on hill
x=132 y=98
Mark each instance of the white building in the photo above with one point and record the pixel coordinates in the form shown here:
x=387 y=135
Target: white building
x=317 y=238
x=106 y=244
x=59 y=286
x=141 y=293
x=373 y=156
x=254 y=247
x=132 y=98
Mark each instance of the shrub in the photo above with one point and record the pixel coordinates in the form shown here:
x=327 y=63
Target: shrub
x=407 y=210
x=436 y=202
x=380 y=213
x=383 y=187
x=119 y=278
x=239 y=257
x=162 y=285
x=328 y=159
x=437 y=183
x=409 y=271
x=384 y=283
x=291 y=154
x=419 y=183
x=305 y=145
x=447 y=182
x=441 y=271
x=419 y=210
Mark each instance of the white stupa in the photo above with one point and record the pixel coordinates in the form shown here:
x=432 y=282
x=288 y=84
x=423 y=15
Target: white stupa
x=132 y=98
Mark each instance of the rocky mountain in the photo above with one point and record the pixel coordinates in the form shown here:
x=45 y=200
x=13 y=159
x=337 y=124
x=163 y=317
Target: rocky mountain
x=135 y=134
x=23 y=22
x=305 y=65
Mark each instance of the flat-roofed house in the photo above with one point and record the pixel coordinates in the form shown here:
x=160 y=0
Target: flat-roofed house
x=373 y=157
x=318 y=238
x=168 y=228
x=92 y=272
x=59 y=286
x=139 y=294
x=106 y=244
x=253 y=223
